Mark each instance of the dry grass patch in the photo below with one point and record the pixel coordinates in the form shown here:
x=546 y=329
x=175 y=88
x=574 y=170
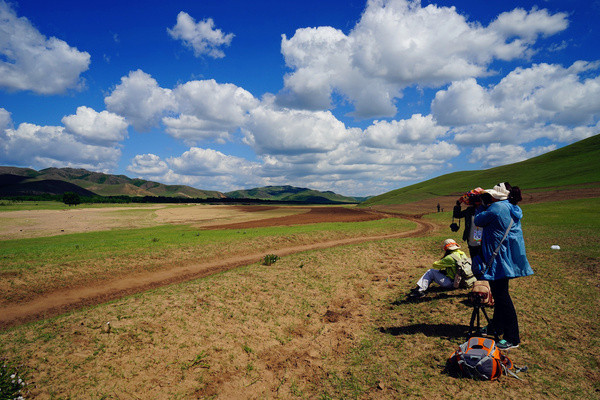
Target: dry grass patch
x=261 y=331
x=323 y=324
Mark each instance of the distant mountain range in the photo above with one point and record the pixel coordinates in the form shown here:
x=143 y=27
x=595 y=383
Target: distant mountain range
x=16 y=181
x=291 y=193
x=25 y=181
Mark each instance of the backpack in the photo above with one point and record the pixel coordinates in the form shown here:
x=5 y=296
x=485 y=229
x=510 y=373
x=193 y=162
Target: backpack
x=480 y=359
x=481 y=294
x=464 y=275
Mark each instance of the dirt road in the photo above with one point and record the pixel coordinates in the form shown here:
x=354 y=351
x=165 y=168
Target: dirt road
x=62 y=301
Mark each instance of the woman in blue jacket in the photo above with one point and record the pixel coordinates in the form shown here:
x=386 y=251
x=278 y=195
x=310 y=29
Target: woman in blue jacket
x=502 y=255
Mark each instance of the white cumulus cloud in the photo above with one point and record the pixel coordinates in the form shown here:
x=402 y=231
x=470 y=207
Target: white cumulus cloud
x=5 y=120
x=52 y=146
x=201 y=36
x=207 y=162
x=529 y=103
x=529 y=25
x=148 y=165
x=140 y=100
x=287 y=131
x=389 y=135
x=497 y=154
x=103 y=128
x=201 y=168
x=208 y=110
x=31 y=61
x=397 y=44
x=193 y=111
x=88 y=140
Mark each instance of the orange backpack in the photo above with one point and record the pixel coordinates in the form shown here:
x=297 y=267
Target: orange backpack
x=478 y=358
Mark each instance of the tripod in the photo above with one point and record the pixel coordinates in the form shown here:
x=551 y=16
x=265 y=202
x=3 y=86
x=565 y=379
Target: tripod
x=475 y=330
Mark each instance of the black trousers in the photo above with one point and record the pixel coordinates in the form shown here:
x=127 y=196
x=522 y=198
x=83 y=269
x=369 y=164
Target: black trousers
x=505 y=315
x=474 y=250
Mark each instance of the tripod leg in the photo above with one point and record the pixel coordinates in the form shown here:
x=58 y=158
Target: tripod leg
x=490 y=325
x=471 y=323
x=478 y=330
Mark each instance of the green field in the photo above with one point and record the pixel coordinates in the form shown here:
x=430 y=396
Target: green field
x=9 y=205
x=328 y=324
x=36 y=265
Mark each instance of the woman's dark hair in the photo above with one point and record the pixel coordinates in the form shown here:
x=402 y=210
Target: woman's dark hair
x=514 y=195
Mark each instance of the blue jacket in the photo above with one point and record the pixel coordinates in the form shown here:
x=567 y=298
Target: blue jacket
x=511 y=261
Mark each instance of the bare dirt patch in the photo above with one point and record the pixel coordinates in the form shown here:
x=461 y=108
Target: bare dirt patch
x=42 y=223
x=310 y=215
x=213 y=215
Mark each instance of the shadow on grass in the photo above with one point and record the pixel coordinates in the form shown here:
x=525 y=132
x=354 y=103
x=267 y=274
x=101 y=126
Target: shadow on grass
x=444 y=331
x=433 y=295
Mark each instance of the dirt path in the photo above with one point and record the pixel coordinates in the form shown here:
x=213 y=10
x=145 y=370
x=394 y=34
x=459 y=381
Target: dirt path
x=66 y=300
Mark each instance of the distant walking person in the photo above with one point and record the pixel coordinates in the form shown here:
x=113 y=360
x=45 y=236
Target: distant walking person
x=502 y=256
x=438 y=207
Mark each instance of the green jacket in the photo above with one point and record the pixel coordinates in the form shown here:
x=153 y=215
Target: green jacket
x=447 y=265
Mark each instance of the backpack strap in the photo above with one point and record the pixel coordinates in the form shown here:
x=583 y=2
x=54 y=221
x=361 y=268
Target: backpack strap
x=508 y=367
x=491 y=260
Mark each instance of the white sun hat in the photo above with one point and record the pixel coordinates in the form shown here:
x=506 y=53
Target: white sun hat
x=499 y=192
x=450 y=244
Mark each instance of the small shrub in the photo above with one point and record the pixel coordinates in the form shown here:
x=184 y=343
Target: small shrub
x=270 y=259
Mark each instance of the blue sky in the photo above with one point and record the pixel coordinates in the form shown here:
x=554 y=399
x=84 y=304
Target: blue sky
x=358 y=97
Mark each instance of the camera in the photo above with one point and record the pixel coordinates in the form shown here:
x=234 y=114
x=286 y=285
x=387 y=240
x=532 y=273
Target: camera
x=486 y=199
x=454 y=227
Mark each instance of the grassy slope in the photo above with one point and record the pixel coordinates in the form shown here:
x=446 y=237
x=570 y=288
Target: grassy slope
x=571 y=165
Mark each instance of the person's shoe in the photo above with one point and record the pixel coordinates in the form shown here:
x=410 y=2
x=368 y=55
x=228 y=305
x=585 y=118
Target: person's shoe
x=416 y=294
x=504 y=345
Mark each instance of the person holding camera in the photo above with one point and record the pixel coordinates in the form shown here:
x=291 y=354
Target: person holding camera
x=502 y=255
x=443 y=272
x=472 y=233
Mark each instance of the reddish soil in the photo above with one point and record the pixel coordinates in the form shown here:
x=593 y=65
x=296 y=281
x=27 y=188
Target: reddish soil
x=313 y=216
x=65 y=300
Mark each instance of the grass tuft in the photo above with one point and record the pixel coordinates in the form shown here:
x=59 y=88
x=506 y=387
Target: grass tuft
x=270 y=259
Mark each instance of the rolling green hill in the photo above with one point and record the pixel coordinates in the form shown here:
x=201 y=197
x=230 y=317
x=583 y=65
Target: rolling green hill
x=98 y=183
x=290 y=193
x=576 y=164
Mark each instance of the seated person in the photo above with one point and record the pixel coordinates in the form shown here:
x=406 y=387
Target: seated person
x=443 y=272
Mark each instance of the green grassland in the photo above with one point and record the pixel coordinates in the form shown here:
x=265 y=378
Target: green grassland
x=576 y=164
x=327 y=324
x=8 y=205
x=39 y=265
